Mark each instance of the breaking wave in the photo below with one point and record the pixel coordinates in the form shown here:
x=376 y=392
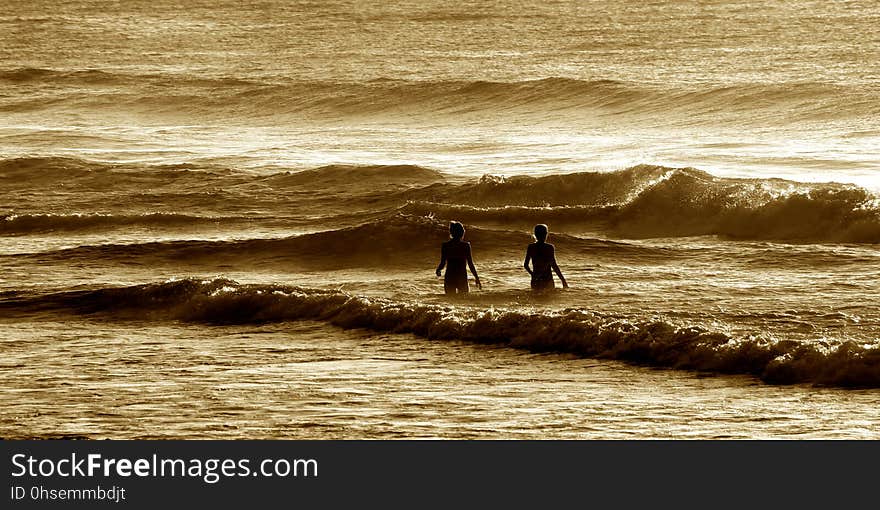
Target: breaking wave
x=651 y=201
x=654 y=342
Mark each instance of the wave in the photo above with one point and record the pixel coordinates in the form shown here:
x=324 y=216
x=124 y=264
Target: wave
x=522 y=217
x=23 y=170
x=644 y=201
x=54 y=77
x=346 y=176
x=398 y=241
x=43 y=223
x=654 y=342
x=654 y=201
x=37 y=172
x=552 y=97
x=695 y=203
x=573 y=189
x=36 y=74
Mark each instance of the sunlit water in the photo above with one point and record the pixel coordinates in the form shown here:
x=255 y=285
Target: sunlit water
x=308 y=380
x=149 y=144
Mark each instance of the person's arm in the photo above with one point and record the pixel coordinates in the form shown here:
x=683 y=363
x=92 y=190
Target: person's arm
x=442 y=259
x=528 y=259
x=558 y=271
x=470 y=262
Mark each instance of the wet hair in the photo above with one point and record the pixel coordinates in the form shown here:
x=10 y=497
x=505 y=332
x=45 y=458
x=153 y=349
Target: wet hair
x=456 y=230
x=541 y=232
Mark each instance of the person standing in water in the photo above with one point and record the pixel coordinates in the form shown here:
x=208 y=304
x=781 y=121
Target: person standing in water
x=542 y=255
x=454 y=254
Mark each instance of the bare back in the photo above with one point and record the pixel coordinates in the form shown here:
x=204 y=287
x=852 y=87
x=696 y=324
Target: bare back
x=543 y=257
x=456 y=254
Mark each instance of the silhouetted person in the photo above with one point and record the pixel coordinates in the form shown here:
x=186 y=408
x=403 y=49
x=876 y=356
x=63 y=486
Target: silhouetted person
x=543 y=258
x=455 y=254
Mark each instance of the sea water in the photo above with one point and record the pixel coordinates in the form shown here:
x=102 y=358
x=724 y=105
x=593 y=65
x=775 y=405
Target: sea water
x=223 y=219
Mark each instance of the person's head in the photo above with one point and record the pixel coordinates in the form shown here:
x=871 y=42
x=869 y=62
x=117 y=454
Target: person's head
x=541 y=232
x=456 y=230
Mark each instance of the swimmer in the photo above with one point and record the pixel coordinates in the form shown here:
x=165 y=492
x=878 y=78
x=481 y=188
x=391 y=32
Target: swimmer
x=542 y=255
x=454 y=254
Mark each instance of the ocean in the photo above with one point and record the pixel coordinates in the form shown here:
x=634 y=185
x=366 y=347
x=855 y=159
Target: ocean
x=222 y=219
